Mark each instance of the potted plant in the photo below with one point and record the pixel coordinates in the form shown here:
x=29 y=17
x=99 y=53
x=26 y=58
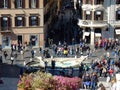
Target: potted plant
x=45 y=81
x=42 y=81
x=24 y=82
x=66 y=83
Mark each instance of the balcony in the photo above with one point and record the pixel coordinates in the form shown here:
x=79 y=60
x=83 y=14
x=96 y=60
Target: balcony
x=90 y=23
x=98 y=7
x=87 y=7
x=6 y=29
x=90 y=7
x=116 y=23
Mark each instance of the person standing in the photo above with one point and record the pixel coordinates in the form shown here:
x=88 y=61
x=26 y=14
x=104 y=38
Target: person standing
x=13 y=47
x=94 y=80
x=53 y=64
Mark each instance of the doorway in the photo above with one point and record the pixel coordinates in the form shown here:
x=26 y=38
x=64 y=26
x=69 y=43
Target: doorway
x=20 y=39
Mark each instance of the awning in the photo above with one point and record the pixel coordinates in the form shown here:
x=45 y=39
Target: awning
x=19 y=18
x=86 y=33
x=98 y=12
x=5 y=18
x=88 y=12
x=97 y=34
x=117 y=31
x=33 y=17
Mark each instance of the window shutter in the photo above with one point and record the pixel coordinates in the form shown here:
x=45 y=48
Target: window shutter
x=90 y=1
x=90 y=15
x=0 y=22
x=37 y=3
x=1 y=19
x=15 y=21
x=9 y=3
x=29 y=3
x=38 y=21
x=23 y=3
x=101 y=16
x=30 y=21
x=116 y=15
x=15 y=3
x=95 y=17
x=24 y=24
x=9 y=23
x=95 y=2
x=1 y=2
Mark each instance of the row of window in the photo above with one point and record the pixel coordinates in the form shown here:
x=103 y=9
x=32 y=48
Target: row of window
x=98 y=15
x=98 y=1
x=91 y=1
x=96 y=30
x=19 y=21
x=18 y=3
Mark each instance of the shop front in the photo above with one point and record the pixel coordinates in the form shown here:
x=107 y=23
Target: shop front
x=34 y=40
x=117 y=34
x=6 y=42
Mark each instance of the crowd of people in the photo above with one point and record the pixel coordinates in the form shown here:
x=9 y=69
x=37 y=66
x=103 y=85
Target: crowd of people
x=65 y=50
x=105 y=66
x=102 y=66
x=15 y=50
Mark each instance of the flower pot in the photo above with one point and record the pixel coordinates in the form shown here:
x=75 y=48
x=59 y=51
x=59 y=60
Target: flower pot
x=20 y=89
x=38 y=89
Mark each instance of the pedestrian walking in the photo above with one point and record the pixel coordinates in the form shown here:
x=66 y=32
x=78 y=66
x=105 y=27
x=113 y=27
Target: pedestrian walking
x=5 y=54
x=1 y=59
x=1 y=81
x=15 y=55
x=70 y=72
x=12 y=58
x=33 y=53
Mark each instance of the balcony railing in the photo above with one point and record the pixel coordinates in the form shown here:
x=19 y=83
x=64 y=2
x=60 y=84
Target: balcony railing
x=90 y=7
x=90 y=23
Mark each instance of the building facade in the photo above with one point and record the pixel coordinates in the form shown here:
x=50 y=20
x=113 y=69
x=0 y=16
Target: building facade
x=100 y=19
x=23 y=21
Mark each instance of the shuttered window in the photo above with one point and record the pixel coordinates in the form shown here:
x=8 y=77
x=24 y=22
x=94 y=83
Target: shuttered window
x=34 y=3
x=88 y=15
x=99 y=1
x=34 y=21
x=19 y=21
x=88 y=1
x=6 y=23
x=19 y=3
x=98 y=15
x=118 y=15
x=5 y=4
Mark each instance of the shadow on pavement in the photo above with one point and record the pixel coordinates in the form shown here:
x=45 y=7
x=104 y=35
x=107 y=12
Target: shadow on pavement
x=7 y=70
